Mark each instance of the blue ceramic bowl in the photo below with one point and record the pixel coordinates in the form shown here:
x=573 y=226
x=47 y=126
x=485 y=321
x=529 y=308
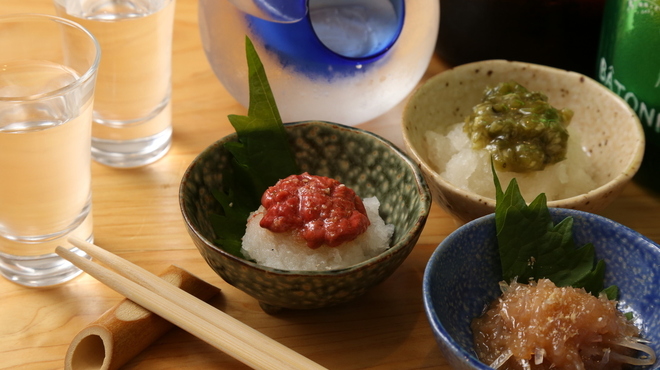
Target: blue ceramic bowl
x=463 y=273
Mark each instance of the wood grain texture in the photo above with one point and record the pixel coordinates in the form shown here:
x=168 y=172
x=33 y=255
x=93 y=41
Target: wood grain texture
x=127 y=329
x=137 y=216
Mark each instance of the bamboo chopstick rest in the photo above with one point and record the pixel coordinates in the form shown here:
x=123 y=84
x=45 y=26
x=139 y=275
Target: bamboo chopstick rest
x=126 y=329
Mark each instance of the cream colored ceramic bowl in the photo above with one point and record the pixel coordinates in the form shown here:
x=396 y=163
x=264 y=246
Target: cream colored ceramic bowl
x=609 y=130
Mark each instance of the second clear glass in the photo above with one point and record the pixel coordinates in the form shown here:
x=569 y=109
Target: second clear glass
x=132 y=110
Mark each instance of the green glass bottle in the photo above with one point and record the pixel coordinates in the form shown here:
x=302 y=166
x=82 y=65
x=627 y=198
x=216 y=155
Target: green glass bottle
x=629 y=59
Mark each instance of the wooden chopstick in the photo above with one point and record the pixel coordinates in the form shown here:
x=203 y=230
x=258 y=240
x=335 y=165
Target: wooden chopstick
x=186 y=311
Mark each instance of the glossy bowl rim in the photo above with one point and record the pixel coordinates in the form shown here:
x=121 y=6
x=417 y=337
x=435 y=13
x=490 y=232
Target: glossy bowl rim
x=420 y=184
x=624 y=176
x=432 y=316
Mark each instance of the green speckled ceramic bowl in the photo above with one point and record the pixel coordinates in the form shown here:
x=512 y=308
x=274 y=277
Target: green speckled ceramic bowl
x=608 y=129
x=363 y=161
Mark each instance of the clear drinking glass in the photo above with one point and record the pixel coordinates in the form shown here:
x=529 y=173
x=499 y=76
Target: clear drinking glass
x=48 y=69
x=132 y=109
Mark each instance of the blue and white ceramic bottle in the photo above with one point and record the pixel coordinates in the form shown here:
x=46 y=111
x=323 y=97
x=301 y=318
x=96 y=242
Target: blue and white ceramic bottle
x=343 y=61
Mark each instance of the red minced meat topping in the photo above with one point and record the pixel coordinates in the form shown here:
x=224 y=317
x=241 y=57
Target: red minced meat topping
x=319 y=209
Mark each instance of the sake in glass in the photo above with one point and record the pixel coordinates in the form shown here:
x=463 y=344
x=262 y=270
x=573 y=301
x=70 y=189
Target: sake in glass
x=48 y=69
x=132 y=109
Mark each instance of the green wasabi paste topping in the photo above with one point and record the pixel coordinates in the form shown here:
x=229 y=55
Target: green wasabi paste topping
x=520 y=129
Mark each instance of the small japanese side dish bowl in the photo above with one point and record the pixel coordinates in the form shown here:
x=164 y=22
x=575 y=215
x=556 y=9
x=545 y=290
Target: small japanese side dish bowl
x=462 y=277
x=363 y=161
x=609 y=132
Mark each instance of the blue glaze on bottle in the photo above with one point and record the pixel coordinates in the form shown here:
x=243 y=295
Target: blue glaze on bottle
x=298 y=46
x=284 y=11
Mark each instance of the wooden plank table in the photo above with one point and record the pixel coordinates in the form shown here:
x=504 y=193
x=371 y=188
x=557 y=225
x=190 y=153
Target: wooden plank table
x=137 y=216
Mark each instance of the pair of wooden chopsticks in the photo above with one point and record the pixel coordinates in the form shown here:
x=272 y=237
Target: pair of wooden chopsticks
x=186 y=311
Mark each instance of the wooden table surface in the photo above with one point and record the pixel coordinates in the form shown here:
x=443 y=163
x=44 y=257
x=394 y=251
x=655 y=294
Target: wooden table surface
x=137 y=216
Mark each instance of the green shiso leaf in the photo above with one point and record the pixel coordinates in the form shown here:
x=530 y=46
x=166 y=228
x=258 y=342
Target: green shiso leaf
x=229 y=227
x=532 y=247
x=261 y=157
